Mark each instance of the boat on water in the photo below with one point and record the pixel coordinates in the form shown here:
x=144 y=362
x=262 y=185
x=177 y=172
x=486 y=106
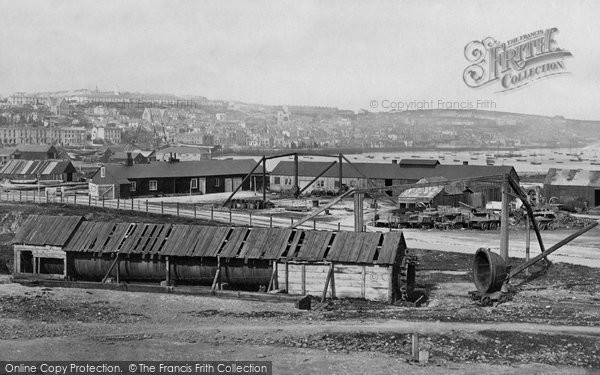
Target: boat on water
x=456 y=160
x=577 y=159
x=536 y=162
x=521 y=159
x=370 y=156
x=595 y=162
x=473 y=158
x=559 y=162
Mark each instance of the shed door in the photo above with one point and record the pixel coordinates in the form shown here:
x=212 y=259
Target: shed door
x=237 y=181
x=202 y=185
x=228 y=185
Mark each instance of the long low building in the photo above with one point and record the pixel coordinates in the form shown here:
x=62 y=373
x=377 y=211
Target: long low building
x=163 y=178
x=365 y=175
x=56 y=170
x=374 y=266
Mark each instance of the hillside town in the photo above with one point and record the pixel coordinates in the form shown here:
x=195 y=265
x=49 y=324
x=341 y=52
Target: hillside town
x=90 y=117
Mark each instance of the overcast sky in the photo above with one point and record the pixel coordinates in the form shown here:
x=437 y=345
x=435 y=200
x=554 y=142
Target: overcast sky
x=328 y=53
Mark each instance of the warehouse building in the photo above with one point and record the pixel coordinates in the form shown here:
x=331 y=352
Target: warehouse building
x=573 y=184
x=365 y=175
x=163 y=178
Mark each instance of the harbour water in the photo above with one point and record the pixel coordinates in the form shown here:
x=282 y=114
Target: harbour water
x=525 y=161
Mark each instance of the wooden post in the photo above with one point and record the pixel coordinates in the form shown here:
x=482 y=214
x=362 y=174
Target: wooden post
x=363 y=282
x=276 y=281
x=314 y=224
x=340 y=176
x=162 y=207
x=527 y=243
x=131 y=204
x=504 y=220
x=102 y=201
x=216 y=280
x=118 y=265
x=287 y=277
x=358 y=212
x=264 y=179
x=332 y=280
x=304 y=279
x=75 y=199
x=327 y=281
x=250 y=213
x=271 y=221
x=20 y=195
x=89 y=200
x=229 y=215
x=273 y=276
x=212 y=213
x=415 y=346
x=146 y=205
x=177 y=203
x=339 y=226
x=168 y=271
x=194 y=211
x=296 y=183
x=118 y=203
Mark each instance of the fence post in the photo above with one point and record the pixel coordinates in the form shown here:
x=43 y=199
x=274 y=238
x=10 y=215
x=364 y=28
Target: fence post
x=314 y=225
x=162 y=207
x=20 y=195
x=103 y=201
x=89 y=200
x=118 y=203
x=177 y=208
x=75 y=199
x=132 y=204
x=61 y=197
x=229 y=215
x=250 y=218
x=292 y=220
x=194 y=211
x=339 y=226
x=146 y=205
x=271 y=221
x=212 y=213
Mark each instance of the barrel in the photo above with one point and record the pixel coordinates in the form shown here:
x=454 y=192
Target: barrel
x=489 y=271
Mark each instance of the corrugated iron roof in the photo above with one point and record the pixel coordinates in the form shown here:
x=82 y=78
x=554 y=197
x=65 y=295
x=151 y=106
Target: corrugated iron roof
x=391 y=171
x=572 y=177
x=41 y=230
x=35 y=167
x=419 y=194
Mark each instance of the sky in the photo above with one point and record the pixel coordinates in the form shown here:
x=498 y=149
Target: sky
x=345 y=54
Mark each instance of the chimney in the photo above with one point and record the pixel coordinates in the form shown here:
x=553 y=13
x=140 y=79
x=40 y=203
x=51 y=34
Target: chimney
x=129 y=159
x=466 y=162
x=394 y=161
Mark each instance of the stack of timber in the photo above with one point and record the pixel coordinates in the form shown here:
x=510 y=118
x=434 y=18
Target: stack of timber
x=373 y=266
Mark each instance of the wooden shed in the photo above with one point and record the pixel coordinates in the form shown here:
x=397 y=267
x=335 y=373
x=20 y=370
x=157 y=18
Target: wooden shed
x=372 y=266
x=39 y=244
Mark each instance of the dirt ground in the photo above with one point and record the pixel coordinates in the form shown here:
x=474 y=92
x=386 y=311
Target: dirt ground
x=551 y=325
